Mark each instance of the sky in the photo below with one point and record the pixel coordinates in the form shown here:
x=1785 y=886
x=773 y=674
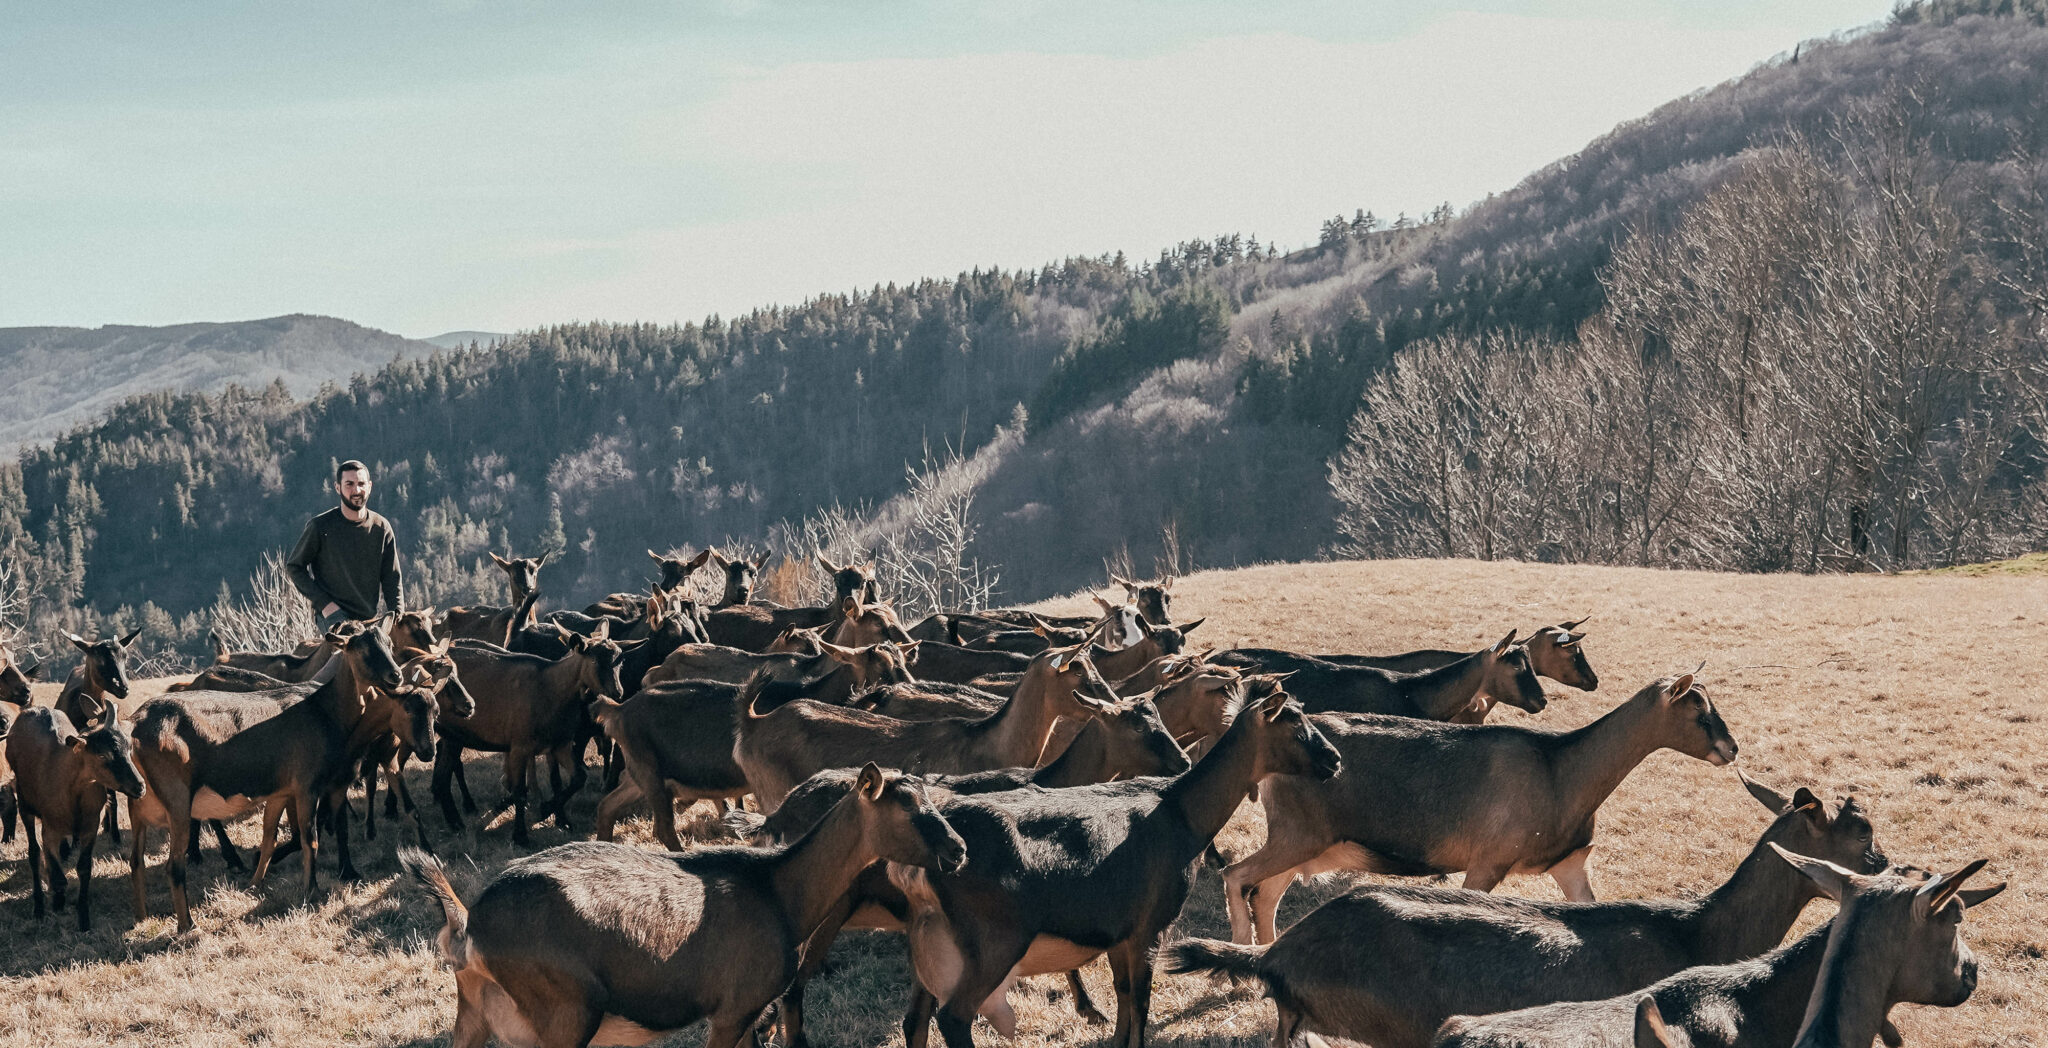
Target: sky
x=437 y=165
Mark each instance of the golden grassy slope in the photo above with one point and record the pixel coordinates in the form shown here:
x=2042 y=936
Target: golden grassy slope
x=1918 y=694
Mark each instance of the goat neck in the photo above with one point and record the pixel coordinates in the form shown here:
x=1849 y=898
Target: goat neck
x=812 y=873
x=1751 y=911
x=1593 y=760
x=1209 y=793
x=1450 y=689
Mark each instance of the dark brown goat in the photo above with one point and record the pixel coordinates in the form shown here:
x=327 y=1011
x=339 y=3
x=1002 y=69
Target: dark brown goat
x=62 y=781
x=1397 y=945
x=676 y=739
x=1059 y=877
x=103 y=672
x=215 y=756
x=782 y=748
x=495 y=624
x=526 y=706
x=1489 y=799
x=740 y=576
x=675 y=573
x=542 y=959
x=731 y=665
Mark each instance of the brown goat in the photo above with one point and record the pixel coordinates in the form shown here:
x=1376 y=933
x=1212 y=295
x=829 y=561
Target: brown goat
x=780 y=749
x=731 y=665
x=495 y=624
x=62 y=781
x=543 y=959
x=102 y=673
x=862 y=624
x=1489 y=799
x=526 y=706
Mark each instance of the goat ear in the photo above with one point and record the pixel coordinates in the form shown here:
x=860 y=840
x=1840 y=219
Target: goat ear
x=871 y=783
x=1832 y=879
x=1974 y=896
x=500 y=560
x=1572 y=638
x=1650 y=1029
x=1275 y=704
x=428 y=612
x=841 y=654
x=129 y=640
x=1189 y=627
x=1938 y=891
x=830 y=569
x=1679 y=686
x=762 y=560
x=1505 y=643
x=703 y=557
x=1572 y=627
x=909 y=650
x=543 y=558
x=76 y=742
x=656 y=557
x=32 y=670
x=1764 y=795
x=78 y=642
x=1804 y=800
x=603 y=631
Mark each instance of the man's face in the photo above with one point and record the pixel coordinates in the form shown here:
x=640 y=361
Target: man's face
x=354 y=488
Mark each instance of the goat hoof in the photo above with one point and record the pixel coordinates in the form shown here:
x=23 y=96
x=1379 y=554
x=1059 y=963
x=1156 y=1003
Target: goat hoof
x=1094 y=1017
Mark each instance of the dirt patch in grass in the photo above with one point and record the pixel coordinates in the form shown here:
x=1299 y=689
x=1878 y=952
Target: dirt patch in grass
x=1917 y=694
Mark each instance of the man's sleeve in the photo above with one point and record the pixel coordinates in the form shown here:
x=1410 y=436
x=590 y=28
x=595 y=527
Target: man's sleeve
x=394 y=586
x=299 y=566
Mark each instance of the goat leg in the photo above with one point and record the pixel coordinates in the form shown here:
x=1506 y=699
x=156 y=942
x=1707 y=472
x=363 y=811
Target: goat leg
x=447 y=764
x=348 y=866
x=87 y=839
x=35 y=862
x=917 y=1019
x=113 y=825
x=1084 y=1005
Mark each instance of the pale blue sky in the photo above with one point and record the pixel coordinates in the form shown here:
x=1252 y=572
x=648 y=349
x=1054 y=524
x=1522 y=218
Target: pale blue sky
x=422 y=167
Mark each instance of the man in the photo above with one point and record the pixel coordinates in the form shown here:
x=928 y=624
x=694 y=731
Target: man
x=347 y=555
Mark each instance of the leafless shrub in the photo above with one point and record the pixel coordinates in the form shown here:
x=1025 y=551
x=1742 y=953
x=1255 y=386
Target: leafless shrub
x=921 y=542
x=273 y=617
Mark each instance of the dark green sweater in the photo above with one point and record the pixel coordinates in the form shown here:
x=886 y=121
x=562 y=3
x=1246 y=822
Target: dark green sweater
x=347 y=562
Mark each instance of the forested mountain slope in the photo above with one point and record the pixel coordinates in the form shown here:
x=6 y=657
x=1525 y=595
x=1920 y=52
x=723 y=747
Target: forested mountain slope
x=1204 y=392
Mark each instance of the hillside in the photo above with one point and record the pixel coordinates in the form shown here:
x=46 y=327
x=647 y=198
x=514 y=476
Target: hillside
x=53 y=378
x=1107 y=402
x=1842 y=684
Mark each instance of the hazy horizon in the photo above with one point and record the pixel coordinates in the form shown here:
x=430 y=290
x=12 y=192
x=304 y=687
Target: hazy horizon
x=459 y=167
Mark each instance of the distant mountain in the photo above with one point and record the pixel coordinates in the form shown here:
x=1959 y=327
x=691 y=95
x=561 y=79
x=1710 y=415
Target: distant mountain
x=54 y=378
x=462 y=339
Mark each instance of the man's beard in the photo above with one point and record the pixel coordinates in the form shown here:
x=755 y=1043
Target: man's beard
x=355 y=501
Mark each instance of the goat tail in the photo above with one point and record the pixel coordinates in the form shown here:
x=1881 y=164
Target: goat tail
x=1240 y=964
x=454 y=938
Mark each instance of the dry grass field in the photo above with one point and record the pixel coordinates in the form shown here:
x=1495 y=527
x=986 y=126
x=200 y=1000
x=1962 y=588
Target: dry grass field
x=1920 y=695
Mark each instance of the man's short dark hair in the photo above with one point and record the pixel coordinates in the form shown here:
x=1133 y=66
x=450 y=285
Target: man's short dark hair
x=348 y=467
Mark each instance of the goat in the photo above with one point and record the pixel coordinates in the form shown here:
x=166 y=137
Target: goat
x=1387 y=964
x=753 y=627
x=495 y=624
x=850 y=579
x=1488 y=799
x=1152 y=598
x=676 y=739
x=675 y=572
x=1910 y=950
x=781 y=748
x=1894 y=940
x=61 y=780
x=292 y=667
x=232 y=678
x=940 y=661
x=102 y=672
x=732 y=665
x=404 y=729
x=546 y=956
x=1448 y=692
x=526 y=706
x=861 y=624
x=739 y=578
x=216 y=756
x=1061 y=876
x=15 y=691
x=1126 y=742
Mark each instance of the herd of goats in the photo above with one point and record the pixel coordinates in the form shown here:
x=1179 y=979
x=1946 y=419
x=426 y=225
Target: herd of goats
x=1017 y=794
